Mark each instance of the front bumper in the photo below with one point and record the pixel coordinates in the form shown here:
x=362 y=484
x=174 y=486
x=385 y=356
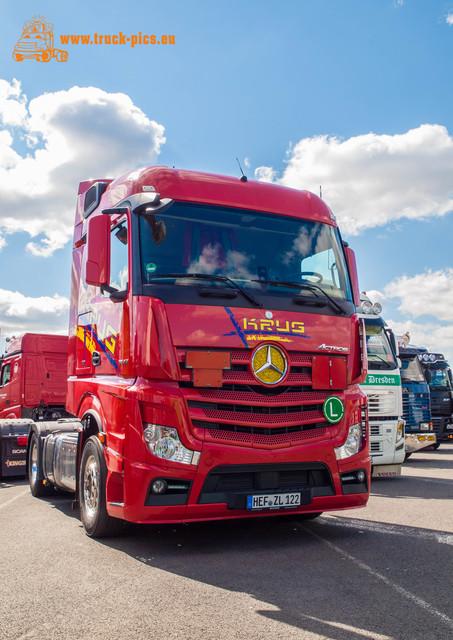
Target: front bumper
x=418 y=441
x=218 y=487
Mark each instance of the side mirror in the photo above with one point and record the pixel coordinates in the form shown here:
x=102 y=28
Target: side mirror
x=393 y=343
x=352 y=266
x=97 y=270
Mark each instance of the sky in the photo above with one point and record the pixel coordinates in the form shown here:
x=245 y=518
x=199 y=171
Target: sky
x=351 y=96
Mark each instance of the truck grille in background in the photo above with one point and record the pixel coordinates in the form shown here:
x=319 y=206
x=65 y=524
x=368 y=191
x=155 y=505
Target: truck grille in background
x=415 y=409
x=437 y=425
x=381 y=403
x=375 y=429
x=246 y=413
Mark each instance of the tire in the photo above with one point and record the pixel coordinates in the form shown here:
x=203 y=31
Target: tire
x=408 y=455
x=17 y=57
x=435 y=446
x=45 y=56
x=62 y=56
x=34 y=464
x=92 y=480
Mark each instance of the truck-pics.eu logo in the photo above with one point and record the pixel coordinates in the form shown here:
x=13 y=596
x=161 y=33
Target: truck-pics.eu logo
x=36 y=42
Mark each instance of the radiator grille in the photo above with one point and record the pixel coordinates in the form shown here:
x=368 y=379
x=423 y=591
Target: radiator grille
x=246 y=413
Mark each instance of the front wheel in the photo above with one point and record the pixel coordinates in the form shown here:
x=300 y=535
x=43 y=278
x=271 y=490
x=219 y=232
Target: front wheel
x=92 y=480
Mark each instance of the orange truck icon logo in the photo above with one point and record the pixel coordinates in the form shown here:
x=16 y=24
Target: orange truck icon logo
x=37 y=42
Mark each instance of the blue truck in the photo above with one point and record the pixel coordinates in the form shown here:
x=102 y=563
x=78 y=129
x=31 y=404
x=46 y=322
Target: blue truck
x=419 y=433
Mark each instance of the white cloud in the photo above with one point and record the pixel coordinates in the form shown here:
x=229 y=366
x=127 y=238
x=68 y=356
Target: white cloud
x=425 y=294
x=449 y=19
x=20 y=313
x=432 y=336
x=71 y=136
x=370 y=180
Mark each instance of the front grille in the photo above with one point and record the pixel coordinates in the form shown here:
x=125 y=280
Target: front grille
x=28 y=46
x=232 y=484
x=438 y=424
x=375 y=429
x=375 y=447
x=246 y=413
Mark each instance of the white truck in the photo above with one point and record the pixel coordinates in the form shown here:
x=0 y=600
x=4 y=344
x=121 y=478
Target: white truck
x=383 y=389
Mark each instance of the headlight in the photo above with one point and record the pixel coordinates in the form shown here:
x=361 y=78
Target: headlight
x=425 y=426
x=400 y=430
x=353 y=443
x=164 y=443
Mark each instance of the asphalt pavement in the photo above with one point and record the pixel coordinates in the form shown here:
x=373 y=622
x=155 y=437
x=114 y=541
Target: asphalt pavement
x=383 y=572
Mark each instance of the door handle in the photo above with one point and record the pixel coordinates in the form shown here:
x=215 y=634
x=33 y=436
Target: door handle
x=96 y=358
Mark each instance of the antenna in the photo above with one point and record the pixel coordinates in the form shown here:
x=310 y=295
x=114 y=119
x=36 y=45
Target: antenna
x=243 y=177
x=320 y=192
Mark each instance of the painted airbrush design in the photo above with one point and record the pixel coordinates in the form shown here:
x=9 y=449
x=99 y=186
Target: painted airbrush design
x=258 y=329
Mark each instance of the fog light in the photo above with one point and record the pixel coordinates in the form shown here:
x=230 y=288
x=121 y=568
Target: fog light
x=159 y=487
x=361 y=476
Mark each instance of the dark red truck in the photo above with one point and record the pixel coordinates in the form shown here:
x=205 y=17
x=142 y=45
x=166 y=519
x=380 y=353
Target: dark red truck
x=33 y=374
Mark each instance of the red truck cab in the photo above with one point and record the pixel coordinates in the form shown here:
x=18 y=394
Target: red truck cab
x=33 y=377
x=215 y=354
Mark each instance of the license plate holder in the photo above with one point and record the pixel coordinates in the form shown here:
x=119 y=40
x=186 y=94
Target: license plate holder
x=260 y=501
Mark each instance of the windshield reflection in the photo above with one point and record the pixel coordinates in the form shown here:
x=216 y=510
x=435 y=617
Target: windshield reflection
x=247 y=247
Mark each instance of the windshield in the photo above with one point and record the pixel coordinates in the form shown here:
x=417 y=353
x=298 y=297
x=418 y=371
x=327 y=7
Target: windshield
x=241 y=251
x=439 y=378
x=411 y=370
x=379 y=351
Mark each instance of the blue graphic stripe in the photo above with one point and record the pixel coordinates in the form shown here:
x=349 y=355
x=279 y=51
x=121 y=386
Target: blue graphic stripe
x=103 y=348
x=238 y=331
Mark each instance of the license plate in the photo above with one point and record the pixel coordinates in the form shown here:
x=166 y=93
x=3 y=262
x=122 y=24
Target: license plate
x=273 y=501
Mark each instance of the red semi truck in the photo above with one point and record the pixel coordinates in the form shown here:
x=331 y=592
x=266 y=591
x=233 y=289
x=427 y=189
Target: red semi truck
x=215 y=356
x=33 y=374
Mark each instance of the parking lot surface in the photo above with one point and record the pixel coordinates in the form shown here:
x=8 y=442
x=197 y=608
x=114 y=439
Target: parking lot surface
x=383 y=572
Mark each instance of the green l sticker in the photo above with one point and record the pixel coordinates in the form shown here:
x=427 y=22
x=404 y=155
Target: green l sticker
x=333 y=409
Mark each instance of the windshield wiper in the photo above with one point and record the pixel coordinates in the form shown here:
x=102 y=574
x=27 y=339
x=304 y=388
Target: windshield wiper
x=388 y=365
x=310 y=287
x=207 y=276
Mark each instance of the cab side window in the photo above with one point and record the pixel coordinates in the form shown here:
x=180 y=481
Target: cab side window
x=6 y=375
